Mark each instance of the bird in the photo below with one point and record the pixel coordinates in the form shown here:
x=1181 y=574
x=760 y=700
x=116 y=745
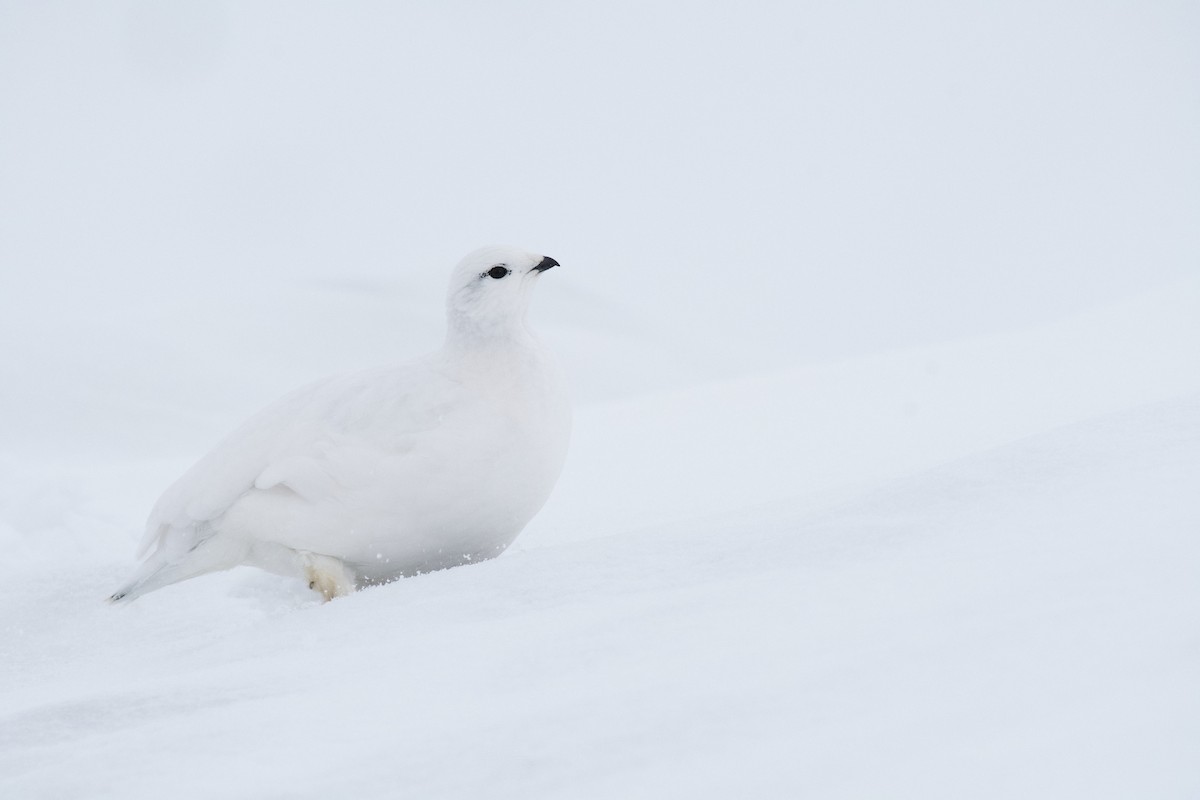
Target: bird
x=364 y=478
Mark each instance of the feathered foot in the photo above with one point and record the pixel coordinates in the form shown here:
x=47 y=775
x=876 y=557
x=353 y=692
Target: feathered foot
x=327 y=575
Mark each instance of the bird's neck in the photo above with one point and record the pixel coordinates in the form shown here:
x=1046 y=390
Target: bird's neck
x=467 y=337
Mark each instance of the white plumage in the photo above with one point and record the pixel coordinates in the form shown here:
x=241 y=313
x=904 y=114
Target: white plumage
x=363 y=478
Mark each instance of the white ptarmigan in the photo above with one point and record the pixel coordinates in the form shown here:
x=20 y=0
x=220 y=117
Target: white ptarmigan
x=363 y=478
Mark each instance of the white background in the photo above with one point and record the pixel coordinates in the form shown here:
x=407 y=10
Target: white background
x=884 y=326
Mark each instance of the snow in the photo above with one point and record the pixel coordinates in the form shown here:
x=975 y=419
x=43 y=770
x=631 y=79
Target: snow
x=884 y=328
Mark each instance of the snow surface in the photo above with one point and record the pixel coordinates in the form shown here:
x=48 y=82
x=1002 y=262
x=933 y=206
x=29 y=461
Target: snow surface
x=884 y=326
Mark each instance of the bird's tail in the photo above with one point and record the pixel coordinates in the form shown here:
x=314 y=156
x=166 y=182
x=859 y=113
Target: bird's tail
x=156 y=572
x=152 y=574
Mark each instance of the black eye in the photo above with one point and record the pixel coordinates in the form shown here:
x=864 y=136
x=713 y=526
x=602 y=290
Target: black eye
x=498 y=271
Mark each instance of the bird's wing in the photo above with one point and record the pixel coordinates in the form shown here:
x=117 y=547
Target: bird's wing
x=313 y=441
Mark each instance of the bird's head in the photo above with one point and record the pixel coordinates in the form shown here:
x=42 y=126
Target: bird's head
x=490 y=288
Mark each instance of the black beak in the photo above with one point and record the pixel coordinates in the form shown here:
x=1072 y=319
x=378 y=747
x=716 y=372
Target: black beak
x=546 y=263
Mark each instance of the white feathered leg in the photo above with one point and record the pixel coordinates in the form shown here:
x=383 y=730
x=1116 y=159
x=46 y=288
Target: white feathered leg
x=327 y=575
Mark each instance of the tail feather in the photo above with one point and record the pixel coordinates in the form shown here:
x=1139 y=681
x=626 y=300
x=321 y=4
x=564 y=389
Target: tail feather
x=136 y=587
x=157 y=572
x=152 y=574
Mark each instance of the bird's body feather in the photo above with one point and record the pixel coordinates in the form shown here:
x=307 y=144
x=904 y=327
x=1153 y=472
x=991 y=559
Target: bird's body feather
x=390 y=471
